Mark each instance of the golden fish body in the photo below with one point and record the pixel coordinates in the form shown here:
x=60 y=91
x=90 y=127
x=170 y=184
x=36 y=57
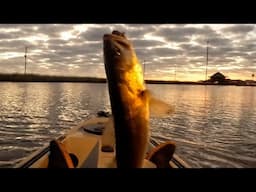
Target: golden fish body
x=129 y=100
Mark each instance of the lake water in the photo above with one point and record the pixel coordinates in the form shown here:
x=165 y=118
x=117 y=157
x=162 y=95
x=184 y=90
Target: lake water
x=213 y=126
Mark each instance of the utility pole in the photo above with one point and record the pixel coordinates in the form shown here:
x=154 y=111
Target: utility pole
x=25 y=56
x=206 y=60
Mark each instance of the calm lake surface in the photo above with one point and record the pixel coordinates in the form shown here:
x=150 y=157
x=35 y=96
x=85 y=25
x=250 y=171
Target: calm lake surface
x=213 y=126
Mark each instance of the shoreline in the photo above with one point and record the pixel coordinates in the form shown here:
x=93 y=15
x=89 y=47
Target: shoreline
x=47 y=78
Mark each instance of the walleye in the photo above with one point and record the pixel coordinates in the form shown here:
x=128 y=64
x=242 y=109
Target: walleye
x=129 y=100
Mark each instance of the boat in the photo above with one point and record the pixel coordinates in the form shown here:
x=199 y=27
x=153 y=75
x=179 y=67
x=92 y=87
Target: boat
x=83 y=143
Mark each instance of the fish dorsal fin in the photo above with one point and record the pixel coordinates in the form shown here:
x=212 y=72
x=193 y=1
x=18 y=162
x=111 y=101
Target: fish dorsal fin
x=59 y=156
x=159 y=108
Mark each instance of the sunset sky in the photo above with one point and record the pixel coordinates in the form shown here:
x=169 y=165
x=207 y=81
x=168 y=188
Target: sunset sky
x=76 y=49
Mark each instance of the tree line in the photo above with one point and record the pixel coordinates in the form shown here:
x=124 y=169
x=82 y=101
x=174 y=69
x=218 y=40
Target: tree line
x=48 y=78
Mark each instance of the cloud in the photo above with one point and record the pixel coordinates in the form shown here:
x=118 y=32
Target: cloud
x=78 y=49
x=138 y=31
x=53 y=30
x=183 y=34
x=15 y=44
x=161 y=52
x=95 y=33
x=142 y=43
x=193 y=50
x=239 y=29
x=214 y=41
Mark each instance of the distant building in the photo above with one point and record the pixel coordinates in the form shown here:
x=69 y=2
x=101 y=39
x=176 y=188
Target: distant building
x=218 y=78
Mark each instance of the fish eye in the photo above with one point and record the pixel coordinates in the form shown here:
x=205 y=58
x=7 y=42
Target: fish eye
x=117 y=51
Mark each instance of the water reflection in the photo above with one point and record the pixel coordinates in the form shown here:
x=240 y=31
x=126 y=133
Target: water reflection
x=213 y=126
x=34 y=113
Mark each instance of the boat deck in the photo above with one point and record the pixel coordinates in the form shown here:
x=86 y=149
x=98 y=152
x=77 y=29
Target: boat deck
x=86 y=146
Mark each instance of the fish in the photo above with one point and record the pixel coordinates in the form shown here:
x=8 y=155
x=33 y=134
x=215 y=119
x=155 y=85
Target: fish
x=129 y=99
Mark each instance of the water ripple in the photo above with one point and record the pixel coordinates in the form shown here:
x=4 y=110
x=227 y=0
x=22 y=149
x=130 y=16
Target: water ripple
x=213 y=126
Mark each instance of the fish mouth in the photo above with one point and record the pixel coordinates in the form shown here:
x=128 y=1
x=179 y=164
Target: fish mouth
x=115 y=43
x=115 y=35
